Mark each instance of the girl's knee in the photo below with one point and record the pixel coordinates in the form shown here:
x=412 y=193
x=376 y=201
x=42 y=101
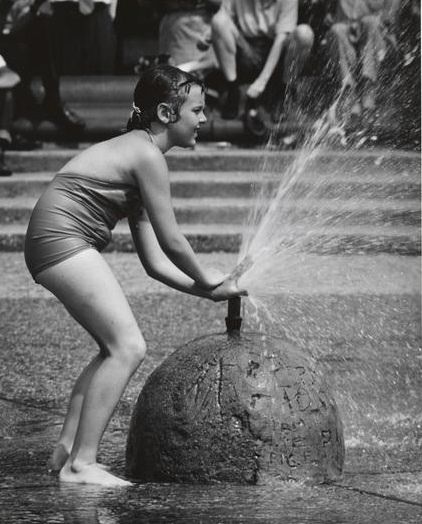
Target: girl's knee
x=130 y=350
x=135 y=351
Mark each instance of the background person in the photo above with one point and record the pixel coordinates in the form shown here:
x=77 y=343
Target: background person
x=126 y=176
x=357 y=45
x=8 y=80
x=25 y=43
x=185 y=31
x=83 y=36
x=260 y=42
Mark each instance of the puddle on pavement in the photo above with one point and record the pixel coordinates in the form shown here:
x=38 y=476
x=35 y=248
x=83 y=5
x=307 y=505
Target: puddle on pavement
x=30 y=495
x=178 y=503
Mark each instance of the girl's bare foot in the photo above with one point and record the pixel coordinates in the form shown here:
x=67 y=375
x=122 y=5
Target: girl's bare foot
x=58 y=459
x=89 y=474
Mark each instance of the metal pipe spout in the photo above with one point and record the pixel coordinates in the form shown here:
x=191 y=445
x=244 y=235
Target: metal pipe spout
x=233 y=319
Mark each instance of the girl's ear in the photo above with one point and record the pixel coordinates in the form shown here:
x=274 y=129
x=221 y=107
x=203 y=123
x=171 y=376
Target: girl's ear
x=164 y=113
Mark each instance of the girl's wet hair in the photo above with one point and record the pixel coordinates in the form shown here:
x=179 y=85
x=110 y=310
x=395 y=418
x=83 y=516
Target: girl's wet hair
x=160 y=84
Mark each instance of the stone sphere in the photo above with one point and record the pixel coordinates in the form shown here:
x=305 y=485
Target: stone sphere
x=246 y=408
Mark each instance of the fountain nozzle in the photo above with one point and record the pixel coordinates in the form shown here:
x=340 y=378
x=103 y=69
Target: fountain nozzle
x=233 y=319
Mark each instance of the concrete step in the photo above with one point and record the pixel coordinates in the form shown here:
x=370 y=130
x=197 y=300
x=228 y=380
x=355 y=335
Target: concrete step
x=106 y=121
x=209 y=157
x=400 y=240
x=238 y=184
x=235 y=211
x=104 y=102
x=373 y=196
x=92 y=89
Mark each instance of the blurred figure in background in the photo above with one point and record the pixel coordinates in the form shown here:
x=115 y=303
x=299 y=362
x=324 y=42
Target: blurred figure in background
x=318 y=14
x=357 y=44
x=83 y=36
x=185 y=32
x=407 y=73
x=259 y=41
x=8 y=80
x=25 y=43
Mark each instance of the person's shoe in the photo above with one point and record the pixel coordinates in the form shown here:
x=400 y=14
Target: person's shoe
x=368 y=97
x=22 y=143
x=24 y=126
x=354 y=121
x=278 y=112
x=64 y=118
x=253 y=120
x=230 y=109
x=4 y=171
x=369 y=118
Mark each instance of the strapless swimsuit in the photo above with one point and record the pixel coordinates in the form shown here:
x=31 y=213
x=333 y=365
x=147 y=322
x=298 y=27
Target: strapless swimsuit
x=76 y=212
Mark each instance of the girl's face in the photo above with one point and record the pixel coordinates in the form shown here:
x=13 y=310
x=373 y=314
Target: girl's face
x=184 y=132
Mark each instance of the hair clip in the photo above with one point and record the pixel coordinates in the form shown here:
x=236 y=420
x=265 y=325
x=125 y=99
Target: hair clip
x=136 y=109
x=186 y=85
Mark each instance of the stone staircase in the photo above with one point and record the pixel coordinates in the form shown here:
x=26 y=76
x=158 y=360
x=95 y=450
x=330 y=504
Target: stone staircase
x=378 y=192
x=104 y=102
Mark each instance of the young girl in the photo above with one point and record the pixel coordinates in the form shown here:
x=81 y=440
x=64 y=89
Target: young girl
x=126 y=176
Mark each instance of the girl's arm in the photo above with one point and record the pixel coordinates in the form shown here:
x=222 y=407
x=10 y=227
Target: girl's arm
x=159 y=267
x=154 y=186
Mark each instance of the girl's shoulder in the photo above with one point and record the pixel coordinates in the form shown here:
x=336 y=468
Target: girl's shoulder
x=126 y=149
x=139 y=144
x=138 y=155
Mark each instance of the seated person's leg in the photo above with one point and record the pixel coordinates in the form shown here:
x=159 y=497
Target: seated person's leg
x=342 y=54
x=298 y=49
x=373 y=49
x=42 y=55
x=18 y=101
x=342 y=69
x=224 y=38
x=252 y=55
x=6 y=111
x=15 y=51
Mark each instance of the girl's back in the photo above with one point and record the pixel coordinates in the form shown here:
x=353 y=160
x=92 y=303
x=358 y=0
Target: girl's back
x=113 y=160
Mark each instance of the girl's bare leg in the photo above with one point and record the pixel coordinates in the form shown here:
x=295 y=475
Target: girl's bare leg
x=64 y=445
x=85 y=283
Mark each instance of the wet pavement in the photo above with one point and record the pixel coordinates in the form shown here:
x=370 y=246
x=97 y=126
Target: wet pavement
x=363 y=327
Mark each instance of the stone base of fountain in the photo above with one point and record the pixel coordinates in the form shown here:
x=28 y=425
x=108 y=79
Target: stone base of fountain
x=244 y=408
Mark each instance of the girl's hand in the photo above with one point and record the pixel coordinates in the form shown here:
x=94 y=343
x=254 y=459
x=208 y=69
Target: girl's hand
x=228 y=289
x=213 y=278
